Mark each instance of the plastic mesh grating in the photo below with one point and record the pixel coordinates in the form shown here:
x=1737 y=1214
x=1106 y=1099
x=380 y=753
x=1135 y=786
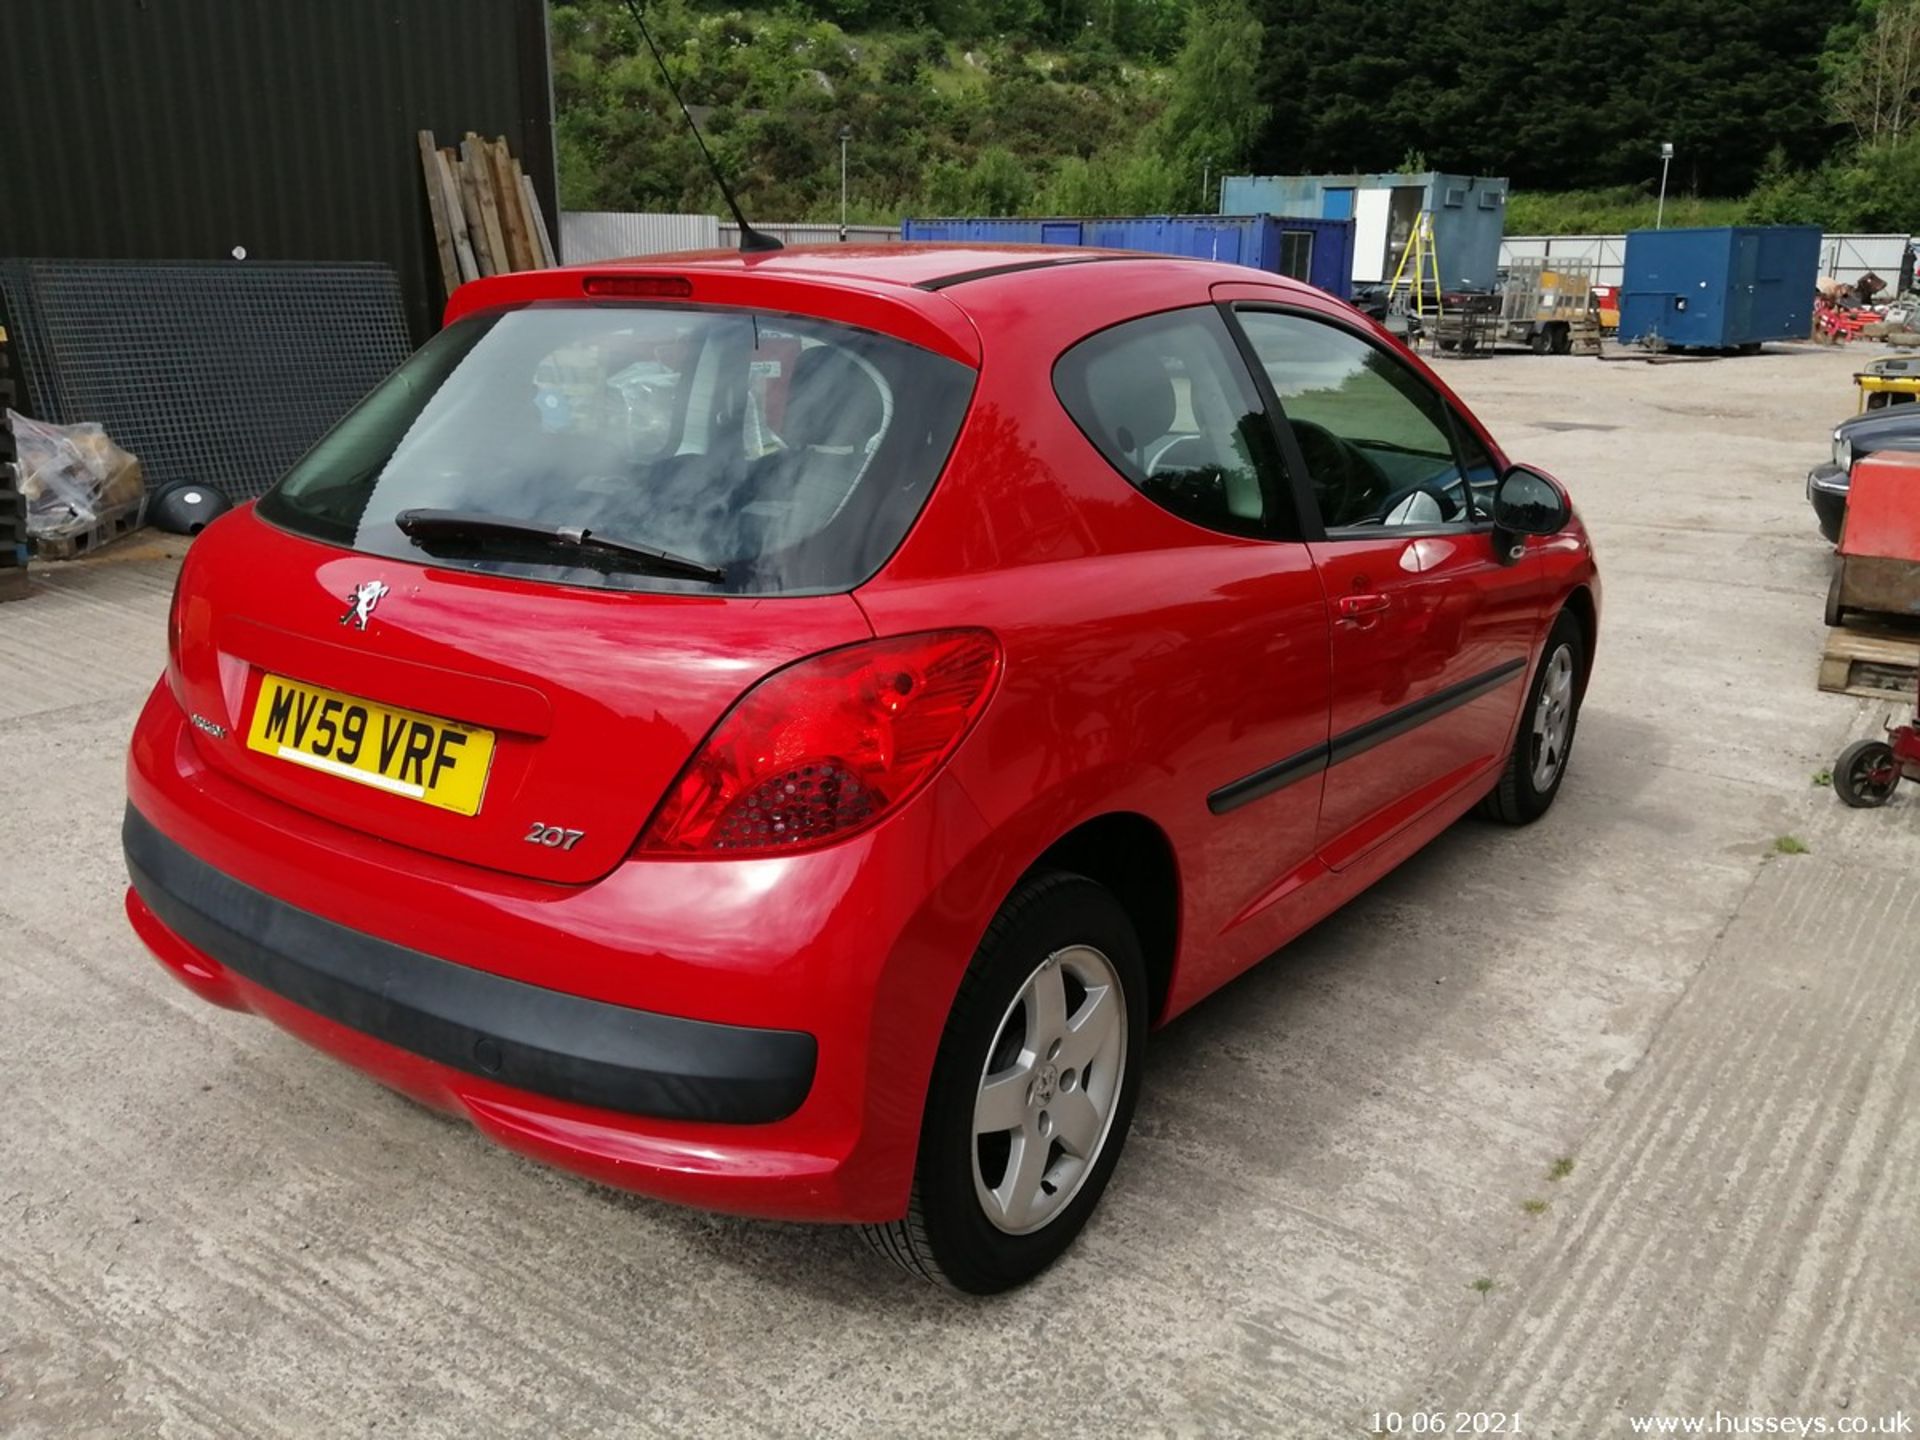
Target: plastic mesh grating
x=220 y=373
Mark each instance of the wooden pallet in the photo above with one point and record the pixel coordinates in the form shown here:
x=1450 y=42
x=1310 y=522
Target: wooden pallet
x=116 y=524
x=1877 y=662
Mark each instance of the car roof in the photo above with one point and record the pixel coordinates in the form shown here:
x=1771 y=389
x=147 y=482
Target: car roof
x=923 y=266
x=916 y=291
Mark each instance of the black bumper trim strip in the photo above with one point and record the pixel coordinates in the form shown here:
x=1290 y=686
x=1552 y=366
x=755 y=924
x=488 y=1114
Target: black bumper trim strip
x=544 y=1041
x=1360 y=739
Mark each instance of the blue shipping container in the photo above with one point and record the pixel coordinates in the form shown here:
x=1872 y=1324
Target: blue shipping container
x=1318 y=251
x=1719 y=288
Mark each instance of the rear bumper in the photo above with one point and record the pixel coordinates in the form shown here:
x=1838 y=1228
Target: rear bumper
x=546 y=1042
x=747 y=1036
x=1827 y=490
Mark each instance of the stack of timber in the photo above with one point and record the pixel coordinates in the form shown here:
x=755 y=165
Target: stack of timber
x=486 y=218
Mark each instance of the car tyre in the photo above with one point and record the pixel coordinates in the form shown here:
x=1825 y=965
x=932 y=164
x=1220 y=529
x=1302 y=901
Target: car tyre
x=1538 y=761
x=1060 y=948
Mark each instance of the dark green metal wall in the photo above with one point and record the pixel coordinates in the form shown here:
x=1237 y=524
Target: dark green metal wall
x=179 y=129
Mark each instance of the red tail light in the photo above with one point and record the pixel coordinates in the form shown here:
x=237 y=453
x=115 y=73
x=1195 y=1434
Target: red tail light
x=827 y=746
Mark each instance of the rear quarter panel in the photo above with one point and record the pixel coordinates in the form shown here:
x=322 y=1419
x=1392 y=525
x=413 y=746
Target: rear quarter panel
x=1135 y=641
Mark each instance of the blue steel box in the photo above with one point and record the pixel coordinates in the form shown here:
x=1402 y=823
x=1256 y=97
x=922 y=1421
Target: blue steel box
x=1721 y=288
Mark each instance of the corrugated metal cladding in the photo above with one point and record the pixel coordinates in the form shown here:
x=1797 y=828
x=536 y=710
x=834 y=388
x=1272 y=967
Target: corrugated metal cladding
x=179 y=129
x=589 y=235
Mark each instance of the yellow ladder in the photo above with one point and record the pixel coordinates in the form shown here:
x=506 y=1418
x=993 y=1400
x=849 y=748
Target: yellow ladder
x=1419 y=268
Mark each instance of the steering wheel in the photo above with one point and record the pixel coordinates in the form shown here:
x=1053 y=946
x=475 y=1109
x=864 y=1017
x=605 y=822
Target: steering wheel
x=1346 y=483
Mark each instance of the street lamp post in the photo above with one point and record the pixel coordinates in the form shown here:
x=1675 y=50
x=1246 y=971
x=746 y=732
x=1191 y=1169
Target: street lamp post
x=1666 y=159
x=1206 y=184
x=846 y=134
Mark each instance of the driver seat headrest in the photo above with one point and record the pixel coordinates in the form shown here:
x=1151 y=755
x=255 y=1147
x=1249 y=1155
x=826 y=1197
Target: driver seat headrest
x=831 y=402
x=1132 y=395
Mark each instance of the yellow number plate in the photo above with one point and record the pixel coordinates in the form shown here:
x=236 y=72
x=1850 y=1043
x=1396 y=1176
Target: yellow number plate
x=398 y=751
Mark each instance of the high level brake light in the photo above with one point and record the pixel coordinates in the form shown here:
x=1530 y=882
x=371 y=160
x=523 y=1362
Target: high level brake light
x=827 y=746
x=637 y=287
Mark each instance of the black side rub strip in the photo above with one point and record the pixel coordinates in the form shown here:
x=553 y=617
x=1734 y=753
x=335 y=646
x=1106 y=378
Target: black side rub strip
x=1360 y=739
x=1409 y=717
x=1268 y=779
x=544 y=1041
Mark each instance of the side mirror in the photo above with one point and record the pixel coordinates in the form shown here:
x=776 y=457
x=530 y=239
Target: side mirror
x=1527 y=503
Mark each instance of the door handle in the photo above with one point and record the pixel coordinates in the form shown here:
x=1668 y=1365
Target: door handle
x=1353 y=607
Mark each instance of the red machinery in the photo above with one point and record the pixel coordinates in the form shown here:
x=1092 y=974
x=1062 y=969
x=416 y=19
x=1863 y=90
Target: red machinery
x=1879 y=551
x=1837 y=323
x=1868 y=770
x=1879 y=570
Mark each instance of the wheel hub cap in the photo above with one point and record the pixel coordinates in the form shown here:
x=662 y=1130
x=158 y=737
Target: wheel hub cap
x=1048 y=1089
x=1044 y=1083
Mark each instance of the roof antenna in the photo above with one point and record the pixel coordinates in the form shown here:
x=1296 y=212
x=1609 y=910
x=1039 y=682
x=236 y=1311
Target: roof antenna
x=750 y=238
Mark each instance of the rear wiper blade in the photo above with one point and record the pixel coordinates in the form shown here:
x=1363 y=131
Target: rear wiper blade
x=425 y=525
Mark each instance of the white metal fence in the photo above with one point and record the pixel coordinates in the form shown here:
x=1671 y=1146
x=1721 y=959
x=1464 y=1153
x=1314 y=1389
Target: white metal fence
x=811 y=234
x=589 y=235
x=1845 y=257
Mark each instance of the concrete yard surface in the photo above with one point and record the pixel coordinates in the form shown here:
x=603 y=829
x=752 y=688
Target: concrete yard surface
x=1615 y=1116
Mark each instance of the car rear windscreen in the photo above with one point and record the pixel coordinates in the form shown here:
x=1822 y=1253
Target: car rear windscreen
x=791 y=455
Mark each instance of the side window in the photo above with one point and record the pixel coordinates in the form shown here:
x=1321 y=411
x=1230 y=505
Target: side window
x=1378 y=443
x=1167 y=400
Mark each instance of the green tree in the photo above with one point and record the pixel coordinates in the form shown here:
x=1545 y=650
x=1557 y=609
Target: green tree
x=1215 y=109
x=1875 y=81
x=1552 y=94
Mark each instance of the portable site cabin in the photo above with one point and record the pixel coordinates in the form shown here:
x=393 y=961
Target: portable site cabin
x=1720 y=287
x=1469 y=215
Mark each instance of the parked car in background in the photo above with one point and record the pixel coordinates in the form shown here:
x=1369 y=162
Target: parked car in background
x=776 y=732
x=1895 y=428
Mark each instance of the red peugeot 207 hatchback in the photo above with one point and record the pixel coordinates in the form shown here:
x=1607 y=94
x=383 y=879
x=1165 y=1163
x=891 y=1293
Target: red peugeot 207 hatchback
x=777 y=732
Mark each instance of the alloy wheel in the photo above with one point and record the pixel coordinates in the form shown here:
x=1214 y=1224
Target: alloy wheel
x=1553 y=719
x=1048 y=1089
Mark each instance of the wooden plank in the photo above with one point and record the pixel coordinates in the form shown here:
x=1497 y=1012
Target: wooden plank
x=446 y=165
x=517 y=181
x=506 y=199
x=437 y=207
x=473 y=153
x=483 y=219
x=522 y=221
x=545 y=241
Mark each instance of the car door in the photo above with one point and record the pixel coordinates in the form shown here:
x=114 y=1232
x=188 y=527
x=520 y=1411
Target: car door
x=1239 y=706
x=1432 y=628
